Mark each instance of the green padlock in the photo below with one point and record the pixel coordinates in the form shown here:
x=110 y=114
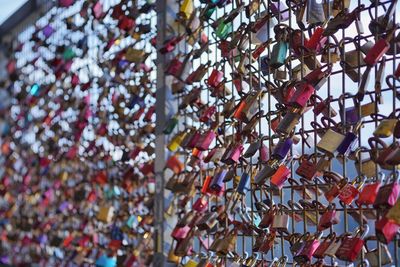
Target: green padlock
x=224 y=29
x=170 y=125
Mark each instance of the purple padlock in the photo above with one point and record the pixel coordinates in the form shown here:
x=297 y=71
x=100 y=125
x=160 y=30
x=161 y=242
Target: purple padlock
x=349 y=140
x=48 y=31
x=351 y=113
x=282 y=148
x=276 y=8
x=217 y=183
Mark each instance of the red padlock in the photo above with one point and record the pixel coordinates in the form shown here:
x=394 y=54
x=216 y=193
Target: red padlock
x=175 y=68
x=308 y=167
x=329 y=217
x=279 y=178
x=379 y=49
x=174 y=164
x=208 y=113
x=337 y=184
x=215 y=78
x=386 y=230
x=368 y=194
x=352 y=245
x=317 y=40
x=350 y=191
x=200 y=204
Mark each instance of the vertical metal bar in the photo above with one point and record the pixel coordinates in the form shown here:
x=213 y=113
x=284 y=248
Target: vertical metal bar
x=160 y=139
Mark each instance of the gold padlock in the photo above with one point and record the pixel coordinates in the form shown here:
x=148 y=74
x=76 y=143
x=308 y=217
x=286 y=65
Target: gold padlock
x=172 y=257
x=394 y=213
x=186 y=9
x=385 y=128
x=134 y=55
x=105 y=214
x=176 y=141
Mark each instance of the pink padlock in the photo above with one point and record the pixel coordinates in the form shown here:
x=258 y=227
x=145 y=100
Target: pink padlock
x=205 y=140
x=302 y=95
x=232 y=154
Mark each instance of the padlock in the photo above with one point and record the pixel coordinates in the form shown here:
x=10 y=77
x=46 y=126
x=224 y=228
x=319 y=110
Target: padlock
x=280 y=49
x=282 y=148
x=179 y=233
x=200 y=204
x=217 y=181
x=105 y=214
x=331 y=139
x=349 y=140
x=380 y=48
x=308 y=166
x=248 y=107
x=215 y=155
x=334 y=246
x=280 y=222
x=386 y=230
x=364 y=166
x=393 y=214
x=307 y=251
x=174 y=164
x=329 y=217
x=215 y=77
x=369 y=192
x=324 y=245
x=223 y=29
x=352 y=246
x=323 y=106
x=388 y=193
x=186 y=9
x=269 y=214
x=385 y=127
x=302 y=94
x=380 y=155
x=207 y=114
x=264 y=242
x=184 y=246
x=337 y=183
x=205 y=140
x=288 y=122
x=176 y=141
x=350 y=191
x=298 y=242
x=377 y=258
x=232 y=154
x=280 y=176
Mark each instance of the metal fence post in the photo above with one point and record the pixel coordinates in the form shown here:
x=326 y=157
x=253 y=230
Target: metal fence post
x=160 y=139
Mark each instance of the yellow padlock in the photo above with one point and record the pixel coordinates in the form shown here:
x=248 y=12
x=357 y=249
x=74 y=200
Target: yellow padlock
x=385 y=128
x=186 y=8
x=191 y=263
x=176 y=141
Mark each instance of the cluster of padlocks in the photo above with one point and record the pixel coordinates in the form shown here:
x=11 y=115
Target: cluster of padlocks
x=77 y=137
x=283 y=147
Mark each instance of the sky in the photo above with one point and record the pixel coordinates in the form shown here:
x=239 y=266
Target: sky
x=8 y=7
